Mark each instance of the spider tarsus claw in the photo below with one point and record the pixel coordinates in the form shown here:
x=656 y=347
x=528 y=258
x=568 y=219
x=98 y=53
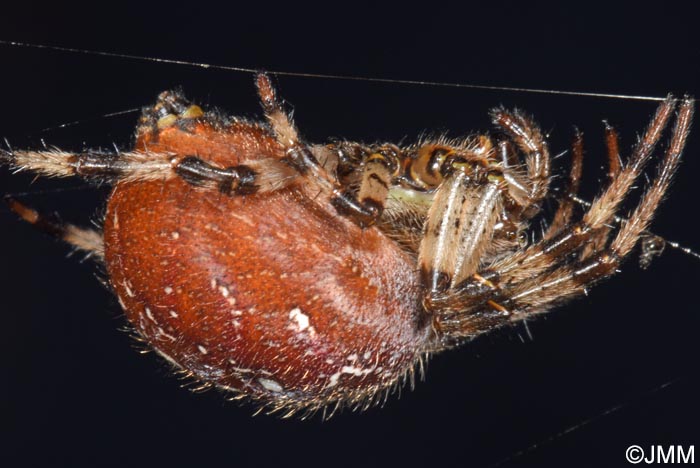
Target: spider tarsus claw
x=652 y=246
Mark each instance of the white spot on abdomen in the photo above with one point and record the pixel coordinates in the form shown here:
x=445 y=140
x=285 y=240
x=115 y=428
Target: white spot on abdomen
x=271 y=385
x=301 y=322
x=351 y=370
x=301 y=319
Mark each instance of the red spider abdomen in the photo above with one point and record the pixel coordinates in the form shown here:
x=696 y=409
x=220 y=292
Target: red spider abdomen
x=272 y=294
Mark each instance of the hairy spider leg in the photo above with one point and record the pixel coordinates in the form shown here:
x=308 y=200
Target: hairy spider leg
x=568 y=280
x=363 y=208
x=529 y=139
x=255 y=176
x=462 y=218
x=459 y=226
x=539 y=257
x=134 y=166
x=83 y=239
x=562 y=217
x=379 y=167
x=600 y=239
x=533 y=287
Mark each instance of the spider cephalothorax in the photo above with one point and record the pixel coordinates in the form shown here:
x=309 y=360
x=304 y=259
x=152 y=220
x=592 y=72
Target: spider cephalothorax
x=305 y=275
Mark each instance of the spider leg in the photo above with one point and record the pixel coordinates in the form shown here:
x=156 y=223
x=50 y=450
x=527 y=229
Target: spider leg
x=529 y=139
x=298 y=155
x=469 y=308
x=171 y=110
x=540 y=256
x=365 y=207
x=613 y=145
x=562 y=217
x=378 y=168
x=459 y=226
x=497 y=296
x=570 y=280
x=256 y=176
x=614 y=167
x=95 y=165
x=507 y=155
x=86 y=240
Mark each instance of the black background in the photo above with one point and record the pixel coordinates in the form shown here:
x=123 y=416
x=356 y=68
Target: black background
x=74 y=392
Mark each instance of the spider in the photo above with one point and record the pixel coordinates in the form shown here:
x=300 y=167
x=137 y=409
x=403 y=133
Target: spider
x=315 y=276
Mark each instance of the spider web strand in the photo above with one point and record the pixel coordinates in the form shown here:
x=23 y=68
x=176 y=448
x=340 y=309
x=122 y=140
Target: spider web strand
x=330 y=76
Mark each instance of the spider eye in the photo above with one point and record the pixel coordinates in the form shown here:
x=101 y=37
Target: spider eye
x=426 y=167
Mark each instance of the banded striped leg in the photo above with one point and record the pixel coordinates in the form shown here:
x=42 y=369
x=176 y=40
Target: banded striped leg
x=529 y=139
x=365 y=207
x=256 y=176
x=570 y=280
x=539 y=257
x=82 y=239
x=298 y=155
x=486 y=283
x=528 y=287
x=459 y=227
